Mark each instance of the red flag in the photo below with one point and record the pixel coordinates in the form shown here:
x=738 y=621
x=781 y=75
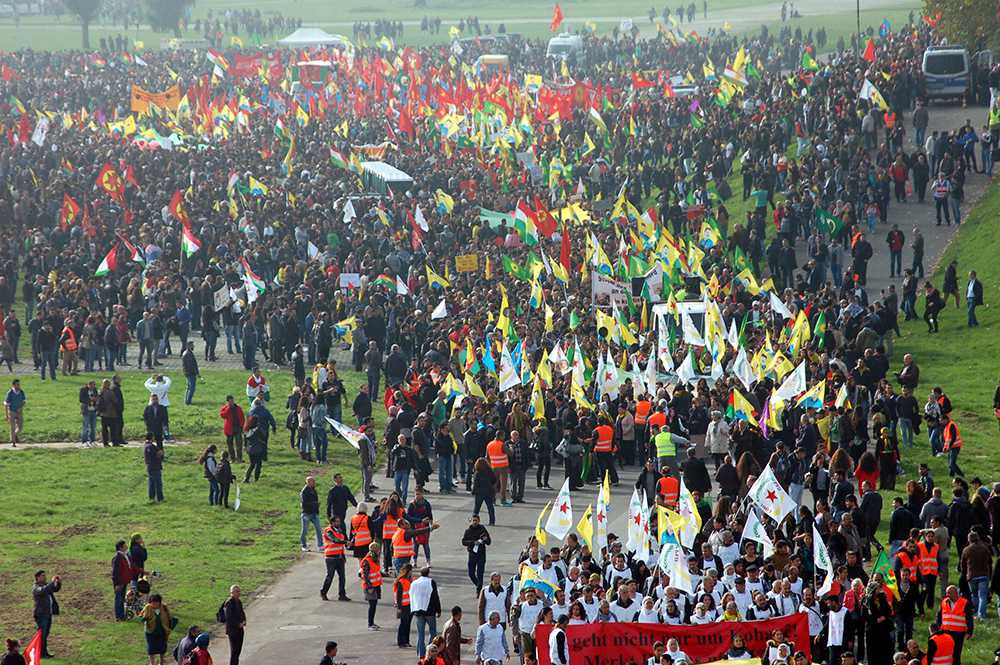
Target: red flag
x=23 y=129
x=544 y=221
x=33 y=652
x=638 y=82
x=109 y=180
x=176 y=208
x=68 y=212
x=6 y=73
x=869 y=54
x=668 y=90
x=86 y=224
x=557 y=18
x=130 y=176
x=564 y=249
x=406 y=122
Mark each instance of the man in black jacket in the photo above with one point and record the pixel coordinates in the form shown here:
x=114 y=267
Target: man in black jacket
x=973 y=297
x=337 y=499
x=476 y=539
x=310 y=513
x=236 y=623
x=155 y=417
x=45 y=606
x=191 y=373
x=900 y=523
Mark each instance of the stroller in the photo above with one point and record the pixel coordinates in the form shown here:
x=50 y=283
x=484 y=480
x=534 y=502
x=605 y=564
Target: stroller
x=135 y=597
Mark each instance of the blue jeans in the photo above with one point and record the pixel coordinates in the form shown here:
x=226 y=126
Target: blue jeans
x=89 y=357
x=906 y=432
x=320 y=443
x=402 y=483
x=120 y=602
x=89 y=432
x=233 y=334
x=953 y=468
x=934 y=437
x=980 y=588
x=444 y=473
x=918 y=136
x=971 y=307
x=956 y=209
x=214 y=496
x=50 y=359
x=155 y=484
x=306 y=521
x=192 y=383
x=429 y=621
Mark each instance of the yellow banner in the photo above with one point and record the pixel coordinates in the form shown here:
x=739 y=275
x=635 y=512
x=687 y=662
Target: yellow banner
x=168 y=99
x=467 y=263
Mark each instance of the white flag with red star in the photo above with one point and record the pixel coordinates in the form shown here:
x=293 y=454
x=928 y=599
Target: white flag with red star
x=636 y=507
x=601 y=519
x=560 y=520
x=770 y=496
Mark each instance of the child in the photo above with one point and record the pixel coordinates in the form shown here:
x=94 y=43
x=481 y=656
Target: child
x=224 y=476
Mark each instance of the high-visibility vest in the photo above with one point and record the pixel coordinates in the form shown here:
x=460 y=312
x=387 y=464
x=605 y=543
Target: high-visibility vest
x=658 y=418
x=952 y=438
x=330 y=547
x=953 y=616
x=890 y=120
x=404 y=583
x=944 y=649
x=359 y=527
x=70 y=343
x=389 y=527
x=665 y=446
x=605 y=435
x=496 y=455
x=402 y=547
x=642 y=411
x=928 y=558
x=911 y=563
x=374 y=571
x=670 y=488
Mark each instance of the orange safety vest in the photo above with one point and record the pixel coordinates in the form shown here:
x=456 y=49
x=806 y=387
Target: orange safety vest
x=405 y=583
x=496 y=455
x=605 y=435
x=331 y=548
x=953 y=616
x=890 y=120
x=658 y=418
x=642 y=411
x=670 y=488
x=910 y=563
x=389 y=527
x=928 y=558
x=952 y=438
x=374 y=571
x=359 y=527
x=70 y=343
x=402 y=547
x=944 y=650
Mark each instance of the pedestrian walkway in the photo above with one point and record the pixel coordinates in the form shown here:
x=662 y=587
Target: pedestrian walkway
x=74 y=445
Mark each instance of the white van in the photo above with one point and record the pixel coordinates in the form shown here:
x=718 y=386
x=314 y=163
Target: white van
x=563 y=44
x=946 y=70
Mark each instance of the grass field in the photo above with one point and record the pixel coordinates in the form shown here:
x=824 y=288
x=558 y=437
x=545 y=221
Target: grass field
x=64 y=510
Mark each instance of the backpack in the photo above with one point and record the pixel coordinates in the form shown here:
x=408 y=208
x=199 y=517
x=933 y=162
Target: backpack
x=220 y=614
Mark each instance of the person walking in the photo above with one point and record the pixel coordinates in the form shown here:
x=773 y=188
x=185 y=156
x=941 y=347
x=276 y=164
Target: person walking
x=310 y=513
x=973 y=298
x=256 y=440
x=367 y=457
x=189 y=361
x=13 y=406
x=236 y=623
x=425 y=605
x=403 y=460
x=956 y=620
x=453 y=640
x=484 y=488
x=476 y=539
x=338 y=498
x=491 y=641
x=121 y=576
x=13 y=654
x=952 y=440
x=152 y=455
x=200 y=655
x=371 y=582
x=939 y=190
x=361 y=531
x=329 y=653
x=233 y=421
x=497 y=453
x=895 y=240
x=158 y=623
x=207 y=460
x=335 y=542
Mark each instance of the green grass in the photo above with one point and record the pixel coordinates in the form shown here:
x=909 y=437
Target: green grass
x=64 y=510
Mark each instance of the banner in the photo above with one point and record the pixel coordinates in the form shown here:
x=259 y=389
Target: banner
x=467 y=263
x=168 y=99
x=221 y=298
x=624 y=643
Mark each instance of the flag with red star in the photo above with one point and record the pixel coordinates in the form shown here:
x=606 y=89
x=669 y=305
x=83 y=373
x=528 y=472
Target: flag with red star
x=636 y=507
x=768 y=493
x=560 y=520
x=601 y=519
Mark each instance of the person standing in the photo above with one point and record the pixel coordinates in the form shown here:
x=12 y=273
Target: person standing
x=118 y=424
x=425 y=605
x=310 y=513
x=121 y=576
x=13 y=406
x=335 y=542
x=329 y=653
x=88 y=414
x=45 y=606
x=895 y=240
x=367 y=457
x=491 y=641
x=403 y=460
x=152 y=455
x=236 y=623
x=973 y=297
x=976 y=564
x=476 y=539
x=110 y=411
x=444 y=448
x=189 y=361
x=558 y=647
x=952 y=440
x=233 y=421
x=497 y=454
x=371 y=582
x=158 y=623
x=401 y=600
x=361 y=532
x=155 y=417
x=338 y=498
x=955 y=618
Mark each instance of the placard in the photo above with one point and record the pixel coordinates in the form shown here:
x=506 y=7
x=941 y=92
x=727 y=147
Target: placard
x=467 y=263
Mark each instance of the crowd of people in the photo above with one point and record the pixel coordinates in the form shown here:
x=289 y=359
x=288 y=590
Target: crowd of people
x=596 y=211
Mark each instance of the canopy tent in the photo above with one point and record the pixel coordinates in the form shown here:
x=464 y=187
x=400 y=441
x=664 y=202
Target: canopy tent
x=313 y=37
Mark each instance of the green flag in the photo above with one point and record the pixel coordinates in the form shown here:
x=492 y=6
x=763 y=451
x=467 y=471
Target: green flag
x=882 y=566
x=808 y=63
x=828 y=223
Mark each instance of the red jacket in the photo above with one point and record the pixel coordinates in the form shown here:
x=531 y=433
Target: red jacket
x=232 y=418
x=121 y=569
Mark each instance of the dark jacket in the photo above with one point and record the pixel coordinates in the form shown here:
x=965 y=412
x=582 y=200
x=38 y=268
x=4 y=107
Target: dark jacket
x=310 y=501
x=155 y=417
x=235 y=616
x=900 y=523
x=475 y=533
x=45 y=601
x=121 y=569
x=337 y=499
x=190 y=363
x=153 y=457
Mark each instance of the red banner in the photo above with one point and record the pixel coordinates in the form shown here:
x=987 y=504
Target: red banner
x=625 y=643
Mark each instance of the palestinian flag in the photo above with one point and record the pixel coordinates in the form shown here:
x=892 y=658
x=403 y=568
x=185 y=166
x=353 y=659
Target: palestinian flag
x=109 y=264
x=189 y=244
x=251 y=278
x=338 y=160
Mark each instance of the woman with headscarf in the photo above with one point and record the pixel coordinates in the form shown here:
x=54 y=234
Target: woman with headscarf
x=158 y=623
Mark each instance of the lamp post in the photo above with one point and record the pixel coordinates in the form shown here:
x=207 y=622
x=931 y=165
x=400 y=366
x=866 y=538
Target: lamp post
x=857 y=47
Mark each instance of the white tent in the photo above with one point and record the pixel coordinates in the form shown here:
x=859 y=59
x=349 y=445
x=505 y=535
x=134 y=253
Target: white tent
x=313 y=37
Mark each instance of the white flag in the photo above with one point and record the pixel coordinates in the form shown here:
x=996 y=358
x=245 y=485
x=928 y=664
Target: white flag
x=638 y=377
x=41 y=131
x=635 y=509
x=732 y=336
x=349 y=213
x=742 y=369
x=609 y=380
x=601 y=518
x=353 y=436
x=560 y=520
x=821 y=558
x=692 y=336
x=418 y=217
x=716 y=371
x=578 y=368
x=677 y=568
x=236 y=504
x=558 y=360
x=508 y=375
x=401 y=288
x=794 y=383
x=312 y=250
x=650 y=377
x=686 y=372
x=440 y=312
x=770 y=496
x=754 y=530
x=663 y=345
x=778 y=306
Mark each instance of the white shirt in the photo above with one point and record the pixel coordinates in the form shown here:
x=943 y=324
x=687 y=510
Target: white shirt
x=160 y=389
x=554 y=656
x=529 y=615
x=812 y=612
x=491 y=642
x=420 y=594
x=624 y=614
x=835 y=633
x=590 y=608
x=729 y=553
x=648 y=616
x=680 y=658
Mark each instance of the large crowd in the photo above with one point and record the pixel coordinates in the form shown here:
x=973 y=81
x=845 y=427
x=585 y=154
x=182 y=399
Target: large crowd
x=605 y=310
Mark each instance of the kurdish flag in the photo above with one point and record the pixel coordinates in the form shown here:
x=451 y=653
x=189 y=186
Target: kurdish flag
x=740 y=408
x=189 y=244
x=337 y=159
x=883 y=567
x=250 y=278
x=809 y=63
x=109 y=264
x=531 y=580
x=385 y=281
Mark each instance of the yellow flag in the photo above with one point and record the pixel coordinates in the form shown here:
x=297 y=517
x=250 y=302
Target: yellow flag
x=539 y=531
x=585 y=527
x=549 y=325
x=473 y=387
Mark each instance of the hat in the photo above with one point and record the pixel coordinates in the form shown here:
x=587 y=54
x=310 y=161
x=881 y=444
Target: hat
x=202 y=640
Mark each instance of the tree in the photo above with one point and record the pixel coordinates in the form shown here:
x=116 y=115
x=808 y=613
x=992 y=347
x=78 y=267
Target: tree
x=166 y=15
x=85 y=10
x=974 y=24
